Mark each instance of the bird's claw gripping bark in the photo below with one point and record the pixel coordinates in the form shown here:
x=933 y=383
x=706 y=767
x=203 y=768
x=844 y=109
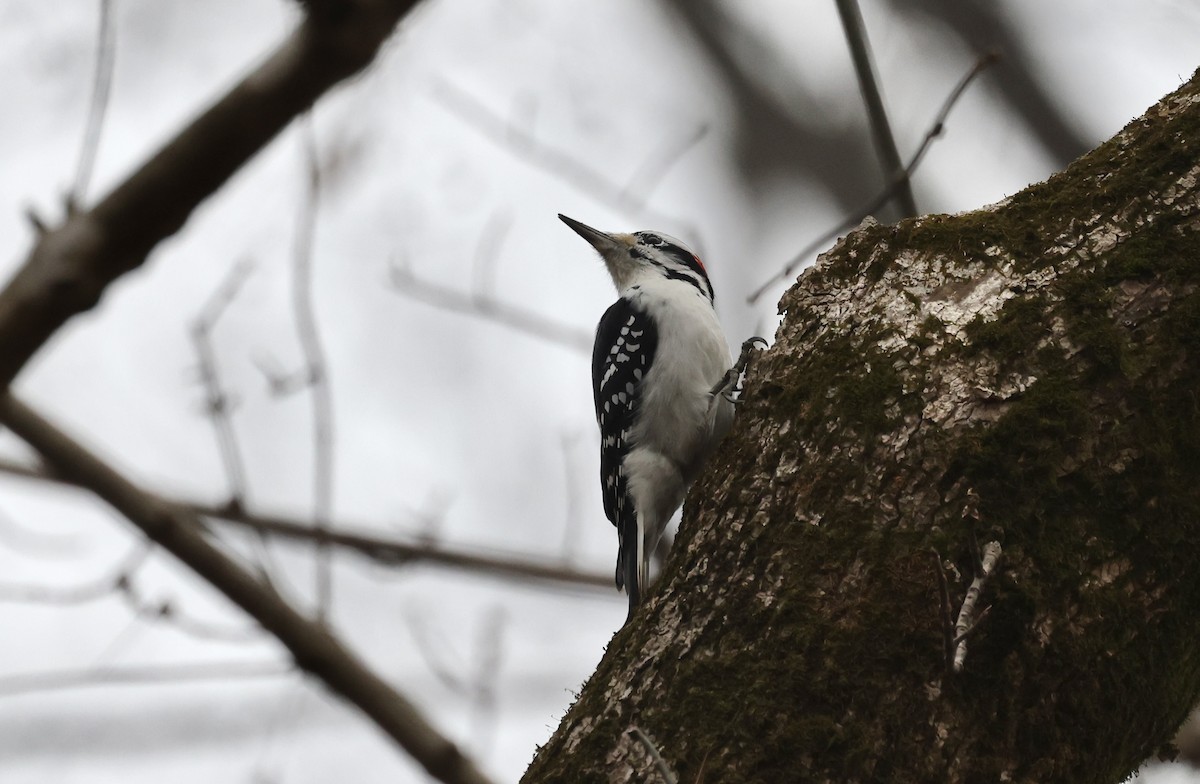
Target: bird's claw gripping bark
x=729 y=387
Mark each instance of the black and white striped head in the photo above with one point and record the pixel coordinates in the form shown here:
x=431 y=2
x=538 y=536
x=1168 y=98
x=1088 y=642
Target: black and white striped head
x=629 y=257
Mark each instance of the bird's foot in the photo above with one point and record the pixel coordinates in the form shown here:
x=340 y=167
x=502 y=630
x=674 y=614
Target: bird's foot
x=730 y=385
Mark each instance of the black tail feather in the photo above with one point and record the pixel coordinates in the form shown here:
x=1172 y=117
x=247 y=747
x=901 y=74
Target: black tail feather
x=627 y=565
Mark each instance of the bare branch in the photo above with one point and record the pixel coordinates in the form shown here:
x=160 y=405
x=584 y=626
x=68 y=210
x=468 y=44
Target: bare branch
x=482 y=303
x=170 y=612
x=71 y=265
x=660 y=764
x=217 y=400
x=1022 y=83
x=150 y=674
x=317 y=368
x=935 y=130
x=312 y=645
x=83 y=593
x=524 y=321
x=386 y=550
x=881 y=129
x=219 y=403
x=106 y=55
x=565 y=167
x=970 y=632
x=968 y=620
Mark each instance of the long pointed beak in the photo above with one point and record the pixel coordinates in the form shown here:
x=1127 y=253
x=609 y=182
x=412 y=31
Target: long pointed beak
x=598 y=239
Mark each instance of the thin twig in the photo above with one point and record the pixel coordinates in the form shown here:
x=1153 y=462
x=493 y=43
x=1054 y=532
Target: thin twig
x=947 y=621
x=983 y=615
x=482 y=302
x=967 y=619
x=148 y=674
x=40 y=226
x=881 y=129
x=659 y=763
x=525 y=321
x=359 y=539
x=121 y=582
x=970 y=514
x=218 y=404
x=316 y=366
x=489 y=655
x=90 y=591
x=106 y=55
x=169 y=612
x=856 y=217
x=564 y=166
x=313 y=646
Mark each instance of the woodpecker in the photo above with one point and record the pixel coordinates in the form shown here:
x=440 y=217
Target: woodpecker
x=661 y=374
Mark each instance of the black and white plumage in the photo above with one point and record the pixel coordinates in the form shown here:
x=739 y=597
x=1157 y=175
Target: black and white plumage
x=659 y=357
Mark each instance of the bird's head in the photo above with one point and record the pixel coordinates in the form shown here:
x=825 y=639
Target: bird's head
x=630 y=257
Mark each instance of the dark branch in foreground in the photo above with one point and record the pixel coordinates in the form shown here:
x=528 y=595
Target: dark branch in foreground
x=72 y=264
x=312 y=646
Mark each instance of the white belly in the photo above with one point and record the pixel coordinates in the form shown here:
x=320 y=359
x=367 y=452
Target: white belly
x=680 y=420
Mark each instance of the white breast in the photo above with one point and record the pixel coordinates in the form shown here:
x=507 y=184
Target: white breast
x=679 y=418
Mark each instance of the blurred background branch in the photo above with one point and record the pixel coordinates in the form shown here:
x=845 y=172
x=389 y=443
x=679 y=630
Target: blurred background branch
x=900 y=180
x=132 y=674
x=219 y=403
x=106 y=53
x=868 y=85
x=388 y=550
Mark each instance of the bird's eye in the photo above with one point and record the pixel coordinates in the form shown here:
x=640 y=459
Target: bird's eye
x=650 y=239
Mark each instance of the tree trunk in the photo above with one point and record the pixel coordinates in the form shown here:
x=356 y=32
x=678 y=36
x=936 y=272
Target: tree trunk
x=1026 y=375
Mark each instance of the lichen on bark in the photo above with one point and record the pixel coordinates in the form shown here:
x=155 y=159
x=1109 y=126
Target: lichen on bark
x=1044 y=353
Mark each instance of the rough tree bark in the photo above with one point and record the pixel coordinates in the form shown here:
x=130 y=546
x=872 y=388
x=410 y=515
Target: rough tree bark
x=1026 y=374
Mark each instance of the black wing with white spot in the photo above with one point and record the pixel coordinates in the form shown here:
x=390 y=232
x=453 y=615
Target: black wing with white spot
x=625 y=344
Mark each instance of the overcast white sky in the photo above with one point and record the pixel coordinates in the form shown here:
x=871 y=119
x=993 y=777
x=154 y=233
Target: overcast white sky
x=434 y=412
